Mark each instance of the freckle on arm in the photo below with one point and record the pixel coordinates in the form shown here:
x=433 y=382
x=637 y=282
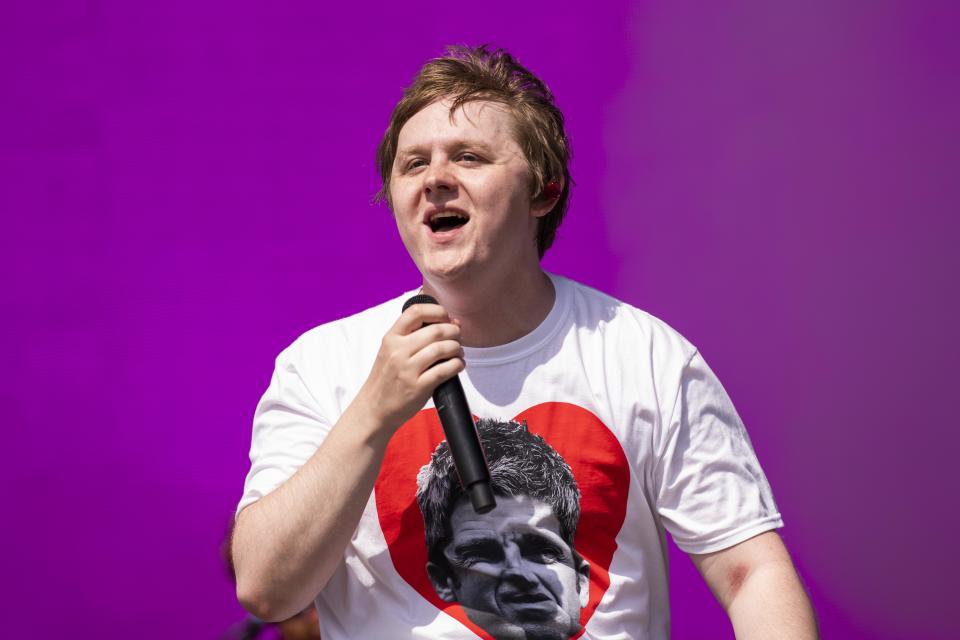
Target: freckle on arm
x=736 y=578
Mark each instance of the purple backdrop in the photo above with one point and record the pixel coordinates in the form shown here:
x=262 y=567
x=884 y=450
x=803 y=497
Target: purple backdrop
x=186 y=189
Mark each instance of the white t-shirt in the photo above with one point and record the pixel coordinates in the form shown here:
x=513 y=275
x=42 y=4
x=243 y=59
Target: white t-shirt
x=651 y=437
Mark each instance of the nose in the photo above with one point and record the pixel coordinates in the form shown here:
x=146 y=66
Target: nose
x=516 y=569
x=439 y=177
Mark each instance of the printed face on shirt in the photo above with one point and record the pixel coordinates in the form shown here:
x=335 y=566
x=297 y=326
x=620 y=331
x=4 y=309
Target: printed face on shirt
x=512 y=572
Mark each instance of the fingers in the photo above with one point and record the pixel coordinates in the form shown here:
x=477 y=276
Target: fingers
x=422 y=325
x=434 y=352
x=421 y=350
x=418 y=315
x=431 y=334
x=441 y=372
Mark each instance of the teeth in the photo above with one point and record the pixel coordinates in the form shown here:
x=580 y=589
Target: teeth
x=443 y=219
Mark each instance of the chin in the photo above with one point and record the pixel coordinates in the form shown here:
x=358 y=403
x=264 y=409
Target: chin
x=444 y=271
x=501 y=628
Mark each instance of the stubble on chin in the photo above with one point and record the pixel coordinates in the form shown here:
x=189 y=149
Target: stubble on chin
x=502 y=629
x=495 y=625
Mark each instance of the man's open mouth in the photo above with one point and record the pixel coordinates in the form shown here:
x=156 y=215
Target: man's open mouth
x=447 y=221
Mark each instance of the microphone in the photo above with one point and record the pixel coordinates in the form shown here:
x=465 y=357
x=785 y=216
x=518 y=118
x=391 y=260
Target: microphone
x=461 y=433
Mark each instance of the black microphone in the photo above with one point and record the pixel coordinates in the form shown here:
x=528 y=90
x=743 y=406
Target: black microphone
x=461 y=432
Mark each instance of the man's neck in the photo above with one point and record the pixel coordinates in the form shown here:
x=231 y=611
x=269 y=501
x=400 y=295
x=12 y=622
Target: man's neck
x=496 y=312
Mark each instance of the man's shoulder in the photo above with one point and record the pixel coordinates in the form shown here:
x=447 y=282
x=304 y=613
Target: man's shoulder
x=621 y=319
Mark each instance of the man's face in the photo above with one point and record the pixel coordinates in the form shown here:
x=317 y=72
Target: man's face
x=512 y=571
x=460 y=190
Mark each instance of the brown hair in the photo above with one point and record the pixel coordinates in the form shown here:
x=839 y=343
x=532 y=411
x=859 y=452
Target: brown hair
x=467 y=74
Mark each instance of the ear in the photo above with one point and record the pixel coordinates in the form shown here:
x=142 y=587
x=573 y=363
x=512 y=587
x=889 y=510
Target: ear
x=547 y=200
x=583 y=582
x=443 y=582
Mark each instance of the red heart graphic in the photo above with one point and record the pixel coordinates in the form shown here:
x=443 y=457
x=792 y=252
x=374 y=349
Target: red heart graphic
x=589 y=448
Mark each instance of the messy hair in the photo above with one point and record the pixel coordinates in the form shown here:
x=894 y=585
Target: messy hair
x=521 y=464
x=466 y=74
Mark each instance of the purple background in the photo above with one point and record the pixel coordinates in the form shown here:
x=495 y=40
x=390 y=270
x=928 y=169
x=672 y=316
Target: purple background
x=186 y=189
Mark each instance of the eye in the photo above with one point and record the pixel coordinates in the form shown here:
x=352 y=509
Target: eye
x=469 y=158
x=542 y=551
x=415 y=163
x=488 y=551
x=544 y=556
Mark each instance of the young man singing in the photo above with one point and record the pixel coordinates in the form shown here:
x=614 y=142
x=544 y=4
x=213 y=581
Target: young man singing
x=474 y=168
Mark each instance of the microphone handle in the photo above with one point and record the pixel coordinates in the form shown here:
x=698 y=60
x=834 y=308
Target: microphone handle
x=464 y=443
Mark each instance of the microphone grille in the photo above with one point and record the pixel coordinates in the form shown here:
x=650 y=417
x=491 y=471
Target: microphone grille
x=420 y=298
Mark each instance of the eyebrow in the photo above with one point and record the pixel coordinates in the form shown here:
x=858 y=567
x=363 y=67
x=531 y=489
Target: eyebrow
x=543 y=538
x=456 y=145
x=476 y=544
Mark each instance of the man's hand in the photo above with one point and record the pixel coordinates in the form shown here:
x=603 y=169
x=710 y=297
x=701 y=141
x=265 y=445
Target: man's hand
x=421 y=350
x=288 y=544
x=759 y=588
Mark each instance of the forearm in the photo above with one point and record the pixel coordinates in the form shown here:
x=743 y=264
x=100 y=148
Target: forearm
x=288 y=544
x=771 y=603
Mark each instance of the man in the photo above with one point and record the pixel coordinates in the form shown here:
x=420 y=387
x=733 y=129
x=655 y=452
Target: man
x=515 y=571
x=474 y=167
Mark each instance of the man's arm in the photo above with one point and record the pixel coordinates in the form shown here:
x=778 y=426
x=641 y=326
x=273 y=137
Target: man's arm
x=757 y=585
x=288 y=544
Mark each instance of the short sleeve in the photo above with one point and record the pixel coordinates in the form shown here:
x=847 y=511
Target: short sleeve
x=288 y=426
x=711 y=492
